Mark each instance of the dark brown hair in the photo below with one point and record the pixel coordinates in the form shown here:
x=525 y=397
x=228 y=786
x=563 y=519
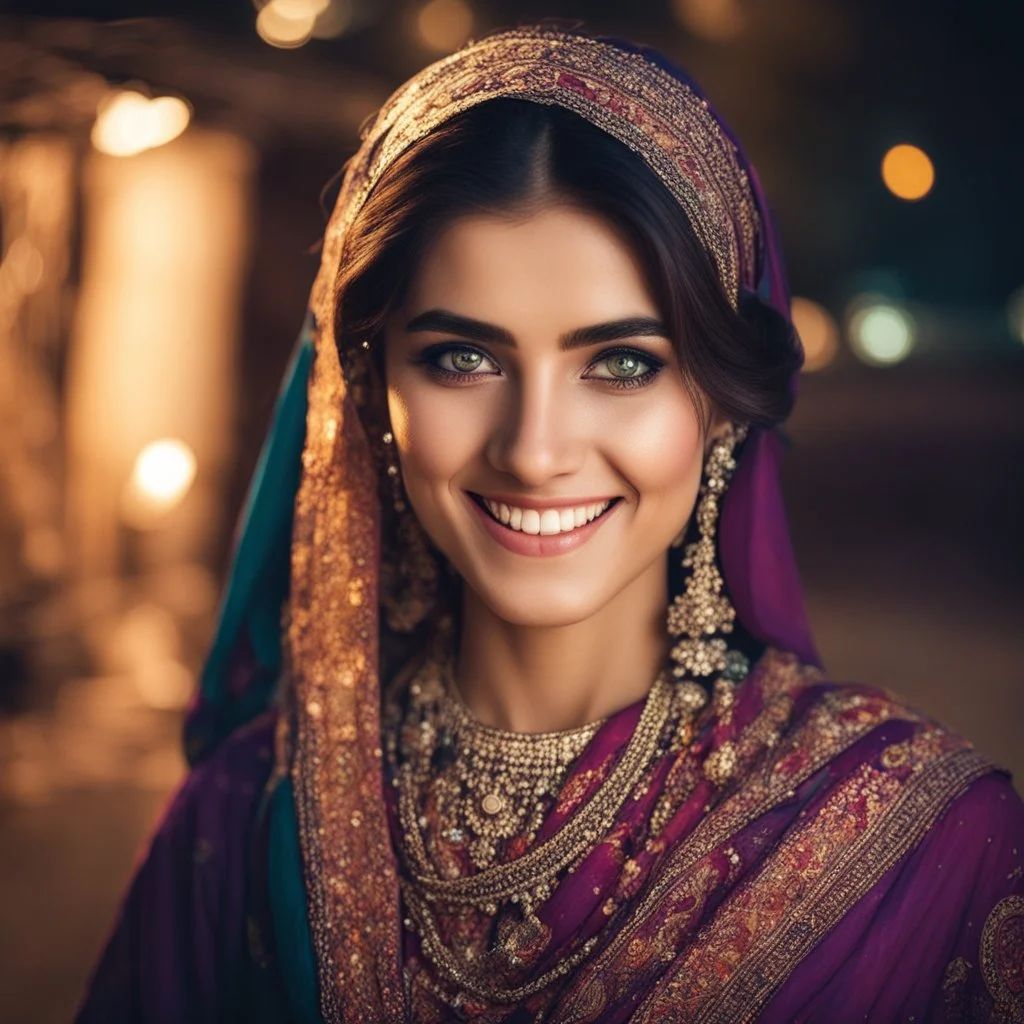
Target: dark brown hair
x=509 y=155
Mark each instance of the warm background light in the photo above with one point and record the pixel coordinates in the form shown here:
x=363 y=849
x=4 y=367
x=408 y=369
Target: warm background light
x=130 y=123
x=881 y=335
x=908 y=172
x=717 y=21
x=146 y=645
x=152 y=349
x=444 y=25
x=164 y=471
x=289 y=24
x=286 y=24
x=300 y=8
x=819 y=333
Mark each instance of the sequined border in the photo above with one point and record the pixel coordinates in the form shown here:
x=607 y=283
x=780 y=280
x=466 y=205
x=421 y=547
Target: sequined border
x=836 y=721
x=848 y=877
x=781 y=678
x=647 y=109
x=350 y=871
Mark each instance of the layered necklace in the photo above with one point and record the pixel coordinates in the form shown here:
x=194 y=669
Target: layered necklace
x=497 y=783
x=468 y=794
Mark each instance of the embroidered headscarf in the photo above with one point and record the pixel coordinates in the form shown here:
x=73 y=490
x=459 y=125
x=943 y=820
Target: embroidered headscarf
x=311 y=535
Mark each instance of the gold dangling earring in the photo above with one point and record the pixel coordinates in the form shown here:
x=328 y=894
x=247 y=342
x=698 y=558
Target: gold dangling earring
x=409 y=572
x=702 y=609
x=392 y=470
x=408 y=581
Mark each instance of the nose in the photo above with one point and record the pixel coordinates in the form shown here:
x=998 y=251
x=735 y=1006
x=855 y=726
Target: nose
x=536 y=435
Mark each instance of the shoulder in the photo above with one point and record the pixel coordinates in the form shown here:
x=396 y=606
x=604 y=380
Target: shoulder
x=215 y=807
x=222 y=792
x=900 y=796
x=828 y=716
x=179 y=933
x=202 y=841
x=863 y=756
x=234 y=773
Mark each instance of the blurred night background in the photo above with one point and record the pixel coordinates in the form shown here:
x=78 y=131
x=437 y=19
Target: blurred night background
x=161 y=166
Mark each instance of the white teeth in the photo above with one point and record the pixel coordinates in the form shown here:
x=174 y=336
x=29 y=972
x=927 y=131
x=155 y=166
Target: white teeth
x=546 y=522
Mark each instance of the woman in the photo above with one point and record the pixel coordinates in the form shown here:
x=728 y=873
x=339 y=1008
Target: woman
x=553 y=742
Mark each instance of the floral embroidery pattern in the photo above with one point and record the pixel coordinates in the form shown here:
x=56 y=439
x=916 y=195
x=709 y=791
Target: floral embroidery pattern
x=815 y=876
x=954 y=988
x=1002 y=959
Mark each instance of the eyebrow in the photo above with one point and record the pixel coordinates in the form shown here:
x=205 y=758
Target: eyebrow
x=444 y=321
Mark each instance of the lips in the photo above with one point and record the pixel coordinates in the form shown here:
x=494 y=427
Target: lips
x=566 y=505
x=538 y=545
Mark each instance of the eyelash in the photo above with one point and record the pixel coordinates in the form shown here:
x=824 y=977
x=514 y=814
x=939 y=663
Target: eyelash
x=431 y=355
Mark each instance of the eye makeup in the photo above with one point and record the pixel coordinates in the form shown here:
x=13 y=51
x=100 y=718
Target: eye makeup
x=431 y=356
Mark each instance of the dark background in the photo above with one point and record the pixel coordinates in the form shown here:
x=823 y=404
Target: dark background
x=903 y=482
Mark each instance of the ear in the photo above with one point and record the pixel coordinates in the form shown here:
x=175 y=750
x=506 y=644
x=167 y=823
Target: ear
x=717 y=427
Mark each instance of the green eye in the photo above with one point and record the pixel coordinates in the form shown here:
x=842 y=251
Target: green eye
x=629 y=368
x=625 y=364
x=465 y=359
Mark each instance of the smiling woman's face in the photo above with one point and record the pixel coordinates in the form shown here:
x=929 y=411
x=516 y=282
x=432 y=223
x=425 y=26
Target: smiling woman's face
x=529 y=365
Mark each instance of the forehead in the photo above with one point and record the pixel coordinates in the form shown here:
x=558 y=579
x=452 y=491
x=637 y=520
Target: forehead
x=551 y=270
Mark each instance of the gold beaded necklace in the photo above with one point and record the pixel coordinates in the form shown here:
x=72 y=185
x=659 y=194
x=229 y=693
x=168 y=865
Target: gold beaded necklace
x=497 y=782
x=486 y=786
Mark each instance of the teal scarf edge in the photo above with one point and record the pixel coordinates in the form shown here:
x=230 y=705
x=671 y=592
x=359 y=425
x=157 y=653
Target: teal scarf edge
x=293 y=941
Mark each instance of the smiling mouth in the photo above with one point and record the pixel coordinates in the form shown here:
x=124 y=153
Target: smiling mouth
x=546 y=522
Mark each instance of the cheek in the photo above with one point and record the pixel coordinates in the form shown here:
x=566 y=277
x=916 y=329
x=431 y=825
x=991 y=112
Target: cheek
x=659 y=452
x=435 y=436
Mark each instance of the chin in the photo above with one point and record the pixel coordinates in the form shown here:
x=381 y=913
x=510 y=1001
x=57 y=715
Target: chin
x=540 y=604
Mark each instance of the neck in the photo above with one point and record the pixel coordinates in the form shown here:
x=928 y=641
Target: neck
x=528 y=678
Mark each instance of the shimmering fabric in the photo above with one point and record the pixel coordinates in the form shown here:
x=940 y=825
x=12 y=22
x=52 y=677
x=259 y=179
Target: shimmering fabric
x=753 y=876
x=862 y=864
x=704 y=916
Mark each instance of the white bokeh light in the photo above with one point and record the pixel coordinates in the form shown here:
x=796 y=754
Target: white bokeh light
x=128 y=122
x=881 y=334
x=163 y=473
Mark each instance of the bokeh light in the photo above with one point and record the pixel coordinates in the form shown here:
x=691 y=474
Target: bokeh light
x=444 y=25
x=297 y=9
x=1015 y=314
x=165 y=683
x=717 y=21
x=908 y=172
x=881 y=334
x=165 y=470
x=819 y=333
x=287 y=24
x=129 y=123
x=146 y=644
x=163 y=473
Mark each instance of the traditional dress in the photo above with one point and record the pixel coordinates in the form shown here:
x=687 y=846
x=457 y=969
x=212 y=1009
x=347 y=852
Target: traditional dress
x=780 y=848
